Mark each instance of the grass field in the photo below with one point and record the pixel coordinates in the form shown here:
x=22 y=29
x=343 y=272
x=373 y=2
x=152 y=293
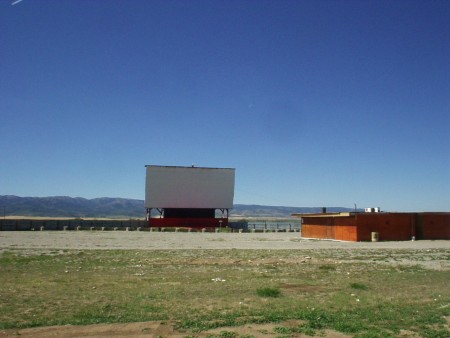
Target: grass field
x=362 y=293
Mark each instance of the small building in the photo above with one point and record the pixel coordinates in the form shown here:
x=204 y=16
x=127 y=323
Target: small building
x=389 y=226
x=189 y=196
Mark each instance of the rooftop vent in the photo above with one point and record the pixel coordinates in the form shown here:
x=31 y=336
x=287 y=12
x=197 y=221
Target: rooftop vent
x=372 y=210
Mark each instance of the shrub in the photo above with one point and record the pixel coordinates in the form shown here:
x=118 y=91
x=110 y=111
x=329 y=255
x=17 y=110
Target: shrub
x=359 y=286
x=268 y=292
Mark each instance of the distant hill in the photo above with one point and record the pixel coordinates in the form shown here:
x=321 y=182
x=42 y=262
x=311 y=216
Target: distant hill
x=64 y=206
x=105 y=207
x=251 y=210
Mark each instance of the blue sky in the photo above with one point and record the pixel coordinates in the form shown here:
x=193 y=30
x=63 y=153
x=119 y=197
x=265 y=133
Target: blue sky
x=315 y=103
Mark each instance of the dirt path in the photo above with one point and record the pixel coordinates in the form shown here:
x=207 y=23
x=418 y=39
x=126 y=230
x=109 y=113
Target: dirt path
x=156 y=329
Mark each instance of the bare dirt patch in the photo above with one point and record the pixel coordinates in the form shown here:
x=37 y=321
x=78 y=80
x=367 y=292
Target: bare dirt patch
x=159 y=329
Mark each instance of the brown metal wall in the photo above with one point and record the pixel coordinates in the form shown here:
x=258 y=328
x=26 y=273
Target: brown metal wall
x=314 y=227
x=433 y=226
x=346 y=229
x=389 y=226
x=314 y=231
x=340 y=228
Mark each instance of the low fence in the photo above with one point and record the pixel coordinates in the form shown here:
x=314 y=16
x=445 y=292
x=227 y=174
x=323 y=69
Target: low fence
x=70 y=224
x=81 y=224
x=264 y=226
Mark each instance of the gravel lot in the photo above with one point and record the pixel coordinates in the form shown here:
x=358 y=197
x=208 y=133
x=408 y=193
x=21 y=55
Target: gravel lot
x=89 y=240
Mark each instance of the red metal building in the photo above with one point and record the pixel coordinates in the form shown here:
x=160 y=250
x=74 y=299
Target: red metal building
x=389 y=226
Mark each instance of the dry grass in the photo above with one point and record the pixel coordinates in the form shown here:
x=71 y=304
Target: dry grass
x=358 y=293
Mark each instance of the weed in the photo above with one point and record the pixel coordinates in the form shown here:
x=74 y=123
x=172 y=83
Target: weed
x=307 y=330
x=282 y=330
x=359 y=286
x=268 y=292
x=435 y=333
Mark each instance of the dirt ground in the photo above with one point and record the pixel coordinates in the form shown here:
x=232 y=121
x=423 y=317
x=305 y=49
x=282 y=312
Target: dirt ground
x=89 y=240
x=153 y=329
x=144 y=240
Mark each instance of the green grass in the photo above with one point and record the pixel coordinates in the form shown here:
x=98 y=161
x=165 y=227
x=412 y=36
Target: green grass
x=358 y=286
x=206 y=289
x=268 y=292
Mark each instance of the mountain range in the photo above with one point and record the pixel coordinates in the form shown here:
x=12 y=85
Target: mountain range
x=105 y=207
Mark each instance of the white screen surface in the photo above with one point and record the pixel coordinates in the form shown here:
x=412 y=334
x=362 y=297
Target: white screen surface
x=189 y=187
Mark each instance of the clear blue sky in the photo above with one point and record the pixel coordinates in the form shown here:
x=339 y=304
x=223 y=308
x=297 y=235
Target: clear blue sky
x=315 y=103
